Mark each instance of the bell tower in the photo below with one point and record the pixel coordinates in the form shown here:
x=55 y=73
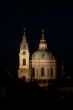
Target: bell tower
x=24 y=70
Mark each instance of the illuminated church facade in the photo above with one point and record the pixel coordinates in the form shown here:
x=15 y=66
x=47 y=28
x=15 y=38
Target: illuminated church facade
x=41 y=67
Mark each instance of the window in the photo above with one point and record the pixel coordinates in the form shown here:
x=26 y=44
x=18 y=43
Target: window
x=24 y=52
x=33 y=72
x=42 y=55
x=21 y=71
x=51 y=72
x=37 y=72
x=24 y=61
x=42 y=71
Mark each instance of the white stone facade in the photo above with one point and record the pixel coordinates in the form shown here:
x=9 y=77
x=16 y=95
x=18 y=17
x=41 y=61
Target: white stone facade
x=42 y=66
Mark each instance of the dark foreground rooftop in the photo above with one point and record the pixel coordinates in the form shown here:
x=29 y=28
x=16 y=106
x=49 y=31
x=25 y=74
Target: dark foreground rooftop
x=60 y=90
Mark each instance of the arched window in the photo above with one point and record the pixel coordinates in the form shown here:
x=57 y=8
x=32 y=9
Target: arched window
x=24 y=52
x=33 y=72
x=51 y=72
x=42 y=55
x=42 y=71
x=24 y=61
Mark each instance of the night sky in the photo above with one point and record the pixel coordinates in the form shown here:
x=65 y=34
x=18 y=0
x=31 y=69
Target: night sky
x=56 y=19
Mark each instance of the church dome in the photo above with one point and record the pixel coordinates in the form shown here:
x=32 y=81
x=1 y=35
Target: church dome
x=43 y=64
x=42 y=55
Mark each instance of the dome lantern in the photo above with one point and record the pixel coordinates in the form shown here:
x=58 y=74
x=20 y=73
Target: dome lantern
x=43 y=44
x=43 y=34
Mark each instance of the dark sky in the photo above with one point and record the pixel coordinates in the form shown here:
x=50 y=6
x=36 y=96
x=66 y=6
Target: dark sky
x=55 y=18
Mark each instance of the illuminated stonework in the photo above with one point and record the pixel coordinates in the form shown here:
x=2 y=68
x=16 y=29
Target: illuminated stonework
x=24 y=71
x=41 y=68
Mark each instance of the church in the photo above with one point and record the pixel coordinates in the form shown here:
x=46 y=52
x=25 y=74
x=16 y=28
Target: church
x=40 y=67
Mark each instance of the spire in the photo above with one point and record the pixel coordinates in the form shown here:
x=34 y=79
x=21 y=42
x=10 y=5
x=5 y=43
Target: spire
x=43 y=34
x=24 y=31
x=24 y=43
x=24 y=35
